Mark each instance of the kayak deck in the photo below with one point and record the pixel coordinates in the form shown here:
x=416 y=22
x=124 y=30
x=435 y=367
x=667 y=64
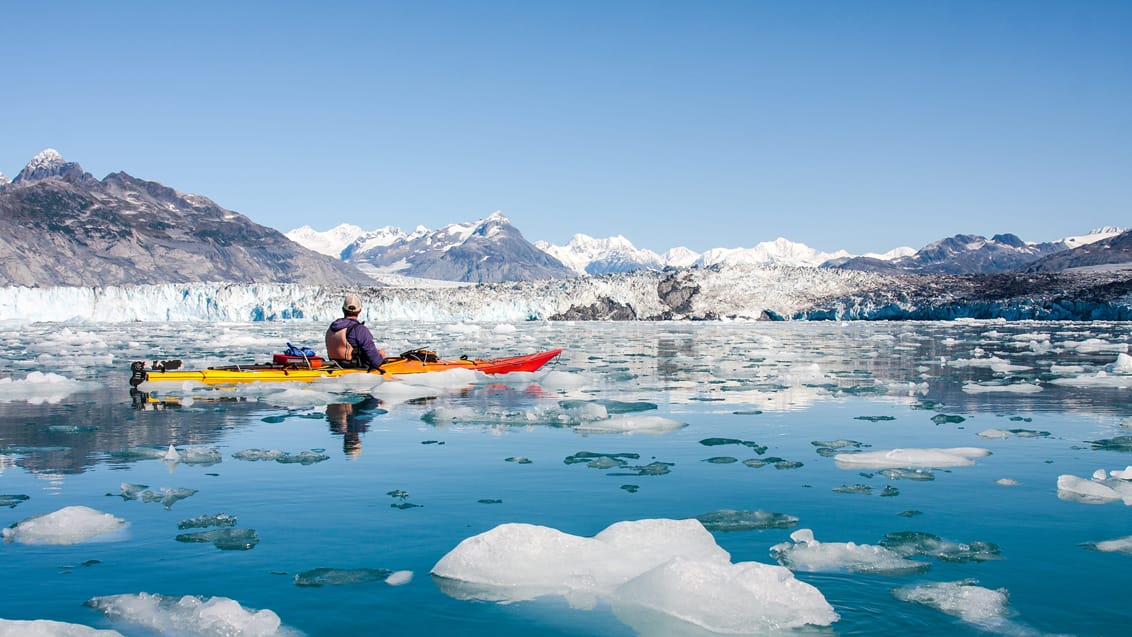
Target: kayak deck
x=169 y=371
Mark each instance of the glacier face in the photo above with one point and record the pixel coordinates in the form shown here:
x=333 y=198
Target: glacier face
x=718 y=293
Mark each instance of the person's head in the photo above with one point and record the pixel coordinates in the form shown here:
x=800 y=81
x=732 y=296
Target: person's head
x=352 y=305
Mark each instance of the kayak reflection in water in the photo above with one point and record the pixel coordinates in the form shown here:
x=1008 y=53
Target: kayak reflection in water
x=350 y=420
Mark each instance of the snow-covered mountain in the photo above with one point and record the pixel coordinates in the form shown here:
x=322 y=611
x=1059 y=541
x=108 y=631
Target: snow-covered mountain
x=487 y=250
x=587 y=255
x=331 y=243
x=968 y=253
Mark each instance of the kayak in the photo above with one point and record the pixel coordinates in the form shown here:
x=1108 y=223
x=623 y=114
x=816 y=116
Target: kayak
x=307 y=370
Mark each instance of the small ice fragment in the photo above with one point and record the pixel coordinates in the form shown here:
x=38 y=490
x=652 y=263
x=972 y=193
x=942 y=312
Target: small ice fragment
x=341 y=576
x=1125 y=474
x=1119 y=545
x=399 y=578
x=1006 y=482
x=171 y=455
x=807 y=554
x=962 y=599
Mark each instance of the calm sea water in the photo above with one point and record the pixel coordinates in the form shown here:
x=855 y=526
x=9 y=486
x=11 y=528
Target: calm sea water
x=413 y=471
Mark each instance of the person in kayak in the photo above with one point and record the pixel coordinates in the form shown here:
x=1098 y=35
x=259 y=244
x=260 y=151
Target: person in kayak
x=349 y=342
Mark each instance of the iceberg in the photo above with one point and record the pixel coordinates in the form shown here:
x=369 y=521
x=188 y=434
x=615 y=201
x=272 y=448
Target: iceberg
x=664 y=568
x=191 y=615
x=908 y=458
x=804 y=553
x=69 y=525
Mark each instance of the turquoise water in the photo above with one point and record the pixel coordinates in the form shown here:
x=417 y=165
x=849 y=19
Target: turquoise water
x=406 y=480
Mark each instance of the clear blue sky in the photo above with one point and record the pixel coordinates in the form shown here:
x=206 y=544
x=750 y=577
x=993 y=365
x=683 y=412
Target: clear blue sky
x=857 y=125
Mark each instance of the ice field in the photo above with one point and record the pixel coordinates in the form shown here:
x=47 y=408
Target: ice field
x=689 y=479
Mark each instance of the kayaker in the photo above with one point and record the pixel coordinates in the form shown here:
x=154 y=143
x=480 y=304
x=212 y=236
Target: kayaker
x=349 y=342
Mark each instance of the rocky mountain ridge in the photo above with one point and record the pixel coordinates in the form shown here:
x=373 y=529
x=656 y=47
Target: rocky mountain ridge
x=64 y=227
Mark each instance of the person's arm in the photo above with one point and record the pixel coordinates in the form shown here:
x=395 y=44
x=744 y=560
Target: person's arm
x=365 y=342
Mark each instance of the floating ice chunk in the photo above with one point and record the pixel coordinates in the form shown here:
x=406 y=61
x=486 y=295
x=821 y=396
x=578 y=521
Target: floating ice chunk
x=1014 y=388
x=10 y=500
x=227 y=539
x=200 y=455
x=1124 y=474
x=1076 y=489
x=997 y=434
x=805 y=553
x=399 y=578
x=632 y=423
x=171 y=455
x=39 y=387
x=191 y=615
x=995 y=364
x=909 y=543
x=341 y=576
x=1006 y=482
x=671 y=568
x=69 y=525
x=504 y=328
x=1094 y=345
x=1123 y=364
x=394 y=393
x=555 y=380
x=1119 y=545
x=732 y=520
x=49 y=628
x=964 y=599
x=909 y=458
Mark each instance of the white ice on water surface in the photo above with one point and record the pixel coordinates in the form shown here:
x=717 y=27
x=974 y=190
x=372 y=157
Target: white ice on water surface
x=1098 y=489
x=964 y=599
x=191 y=616
x=908 y=458
x=804 y=553
x=69 y=525
x=672 y=568
x=49 y=628
x=40 y=387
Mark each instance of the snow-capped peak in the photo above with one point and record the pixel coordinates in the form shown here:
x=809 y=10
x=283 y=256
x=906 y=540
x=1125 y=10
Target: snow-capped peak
x=1094 y=235
x=331 y=243
x=46 y=159
x=780 y=251
x=4 y=179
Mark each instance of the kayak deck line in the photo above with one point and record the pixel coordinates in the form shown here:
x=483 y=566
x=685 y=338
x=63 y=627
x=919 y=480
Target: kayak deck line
x=170 y=370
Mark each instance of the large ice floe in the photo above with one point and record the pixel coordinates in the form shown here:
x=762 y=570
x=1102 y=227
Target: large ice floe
x=659 y=572
x=908 y=458
x=1103 y=487
x=69 y=525
x=191 y=616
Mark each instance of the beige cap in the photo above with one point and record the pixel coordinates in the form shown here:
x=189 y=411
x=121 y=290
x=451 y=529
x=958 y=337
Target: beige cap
x=352 y=304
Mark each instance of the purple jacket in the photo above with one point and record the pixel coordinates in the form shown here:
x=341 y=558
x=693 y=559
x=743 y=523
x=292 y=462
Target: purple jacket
x=361 y=339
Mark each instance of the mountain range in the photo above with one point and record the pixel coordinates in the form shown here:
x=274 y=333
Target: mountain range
x=390 y=251
x=63 y=227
